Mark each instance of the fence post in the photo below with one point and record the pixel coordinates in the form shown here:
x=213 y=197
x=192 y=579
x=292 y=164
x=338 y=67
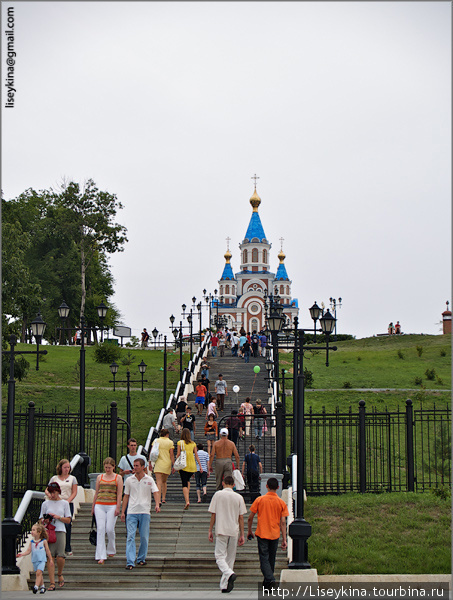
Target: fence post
x=280 y=439
x=113 y=429
x=30 y=445
x=410 y=445
x=362 y=447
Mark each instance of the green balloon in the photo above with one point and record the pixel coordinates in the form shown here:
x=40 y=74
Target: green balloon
x=256 y=369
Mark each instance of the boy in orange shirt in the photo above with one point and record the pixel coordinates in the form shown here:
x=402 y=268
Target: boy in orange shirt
x=201 y=392
x=272 y=512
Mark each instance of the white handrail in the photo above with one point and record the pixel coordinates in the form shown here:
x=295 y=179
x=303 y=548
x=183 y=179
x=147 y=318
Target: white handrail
x=28 y=497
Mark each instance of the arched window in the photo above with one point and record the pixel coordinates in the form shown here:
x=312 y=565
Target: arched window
x=255 y=255
x=227 y=289
x=244 y=257
x=282 y=289
x=221 y=290
x=287 y=290
x=264 y=256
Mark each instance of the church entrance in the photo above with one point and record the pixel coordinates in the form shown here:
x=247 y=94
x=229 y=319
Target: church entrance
x=254 y=325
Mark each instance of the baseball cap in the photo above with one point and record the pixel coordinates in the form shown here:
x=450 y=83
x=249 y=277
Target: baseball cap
x=224 y=431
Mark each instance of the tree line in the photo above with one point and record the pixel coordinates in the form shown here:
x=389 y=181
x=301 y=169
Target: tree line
x=55 y=248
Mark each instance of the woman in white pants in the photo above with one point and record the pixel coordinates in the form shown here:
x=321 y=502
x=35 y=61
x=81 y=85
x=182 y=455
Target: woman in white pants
x=106 y=508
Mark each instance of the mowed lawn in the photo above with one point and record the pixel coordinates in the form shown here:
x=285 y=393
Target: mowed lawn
x=379 y=533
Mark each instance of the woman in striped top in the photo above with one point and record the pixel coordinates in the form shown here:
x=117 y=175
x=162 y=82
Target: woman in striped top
x=106 y=508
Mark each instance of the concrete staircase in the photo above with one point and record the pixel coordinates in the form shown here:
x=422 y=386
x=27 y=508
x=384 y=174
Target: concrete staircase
x=180 y=555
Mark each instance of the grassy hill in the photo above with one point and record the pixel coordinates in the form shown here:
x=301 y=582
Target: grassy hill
x=388 y=364
x=394 y=367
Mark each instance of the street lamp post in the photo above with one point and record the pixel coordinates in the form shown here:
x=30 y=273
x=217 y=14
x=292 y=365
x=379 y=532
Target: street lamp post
x=165 y=372
x=299 y=529
x=142 y=368
x=333 y=307
x=155 y=333
x=63 y=311
x=11 y=528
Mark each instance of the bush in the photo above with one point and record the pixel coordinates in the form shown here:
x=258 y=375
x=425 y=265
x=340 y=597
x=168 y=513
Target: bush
x=308 y=378
x=400 y=354
x=347 y=385
x=443 y=353
x=106 y=353
x=443 y=492
x=359 y=358
x=134 y=342
x=430 y=374
x=418 y=381
x=419 y=350
x=21 y=367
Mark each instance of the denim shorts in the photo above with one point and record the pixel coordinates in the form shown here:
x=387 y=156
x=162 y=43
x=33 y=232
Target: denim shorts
x=201 y=479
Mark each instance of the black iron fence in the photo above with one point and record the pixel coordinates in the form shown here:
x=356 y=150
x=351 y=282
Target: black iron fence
x=402 y=450
x=361 y=451
x=42 y=438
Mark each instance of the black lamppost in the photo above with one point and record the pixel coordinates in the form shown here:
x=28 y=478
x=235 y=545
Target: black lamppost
x=189 y=320
x=114 y=370
x=102 y=312
x=299 y=529
x=63 y=312
x=10 y=528
x=333 y=307
x=178 y=340
x=275 y=324
x=165 y=372
x=128 y=381
x=155 y=334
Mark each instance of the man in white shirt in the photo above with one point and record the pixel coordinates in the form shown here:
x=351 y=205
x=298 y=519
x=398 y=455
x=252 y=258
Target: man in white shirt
x=227 y=510
x=126 y=464
x=138 y=493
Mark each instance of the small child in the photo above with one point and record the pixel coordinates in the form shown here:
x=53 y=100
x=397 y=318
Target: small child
x=39 y=549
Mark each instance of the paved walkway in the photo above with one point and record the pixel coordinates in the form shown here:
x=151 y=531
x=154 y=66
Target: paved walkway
x=164 y=594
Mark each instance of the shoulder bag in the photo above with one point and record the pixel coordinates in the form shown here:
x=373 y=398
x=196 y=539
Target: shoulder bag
x=93 y=532
x=181 y=461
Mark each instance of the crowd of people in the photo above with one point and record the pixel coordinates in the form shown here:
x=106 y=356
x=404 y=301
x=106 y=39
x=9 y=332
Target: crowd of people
x=243 y=344
x=129 y=492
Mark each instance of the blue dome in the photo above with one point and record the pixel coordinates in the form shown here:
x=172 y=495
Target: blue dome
x=227 y=272
x=255 y=229
x=281 y=272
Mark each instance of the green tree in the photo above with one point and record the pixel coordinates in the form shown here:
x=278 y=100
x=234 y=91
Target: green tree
x=57 y=250
x=91 y=225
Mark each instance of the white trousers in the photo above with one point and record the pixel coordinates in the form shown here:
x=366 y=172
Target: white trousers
x=105 y=524
x=225 y=555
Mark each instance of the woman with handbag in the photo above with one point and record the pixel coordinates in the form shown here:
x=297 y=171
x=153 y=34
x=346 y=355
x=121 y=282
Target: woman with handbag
x=56 y=511
x=106 y=508
x=164 y=463
x=68 y=486
x=188 y=449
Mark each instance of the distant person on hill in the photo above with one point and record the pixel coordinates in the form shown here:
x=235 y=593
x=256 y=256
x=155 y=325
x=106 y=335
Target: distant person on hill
x=145 y=338
x=397 y=328
x=390 y=329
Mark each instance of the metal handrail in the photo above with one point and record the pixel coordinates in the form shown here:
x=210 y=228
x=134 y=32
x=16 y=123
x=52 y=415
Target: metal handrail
x=154 y=429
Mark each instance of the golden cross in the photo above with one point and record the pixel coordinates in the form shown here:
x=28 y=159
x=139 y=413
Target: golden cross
x=228 y=239
x=255 y=178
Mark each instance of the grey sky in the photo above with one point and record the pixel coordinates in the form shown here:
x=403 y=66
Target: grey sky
x=343 y=109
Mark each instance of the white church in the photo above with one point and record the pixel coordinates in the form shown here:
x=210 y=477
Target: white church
x=243 y=294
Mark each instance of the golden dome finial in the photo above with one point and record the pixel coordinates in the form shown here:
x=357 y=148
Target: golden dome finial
x=227 y=256
x=255 y=200
x=281 y=254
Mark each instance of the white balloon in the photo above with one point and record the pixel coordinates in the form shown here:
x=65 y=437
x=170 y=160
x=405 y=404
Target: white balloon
x=236 y=389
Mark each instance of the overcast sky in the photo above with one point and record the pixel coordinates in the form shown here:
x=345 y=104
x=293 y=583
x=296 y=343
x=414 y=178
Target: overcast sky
x=342 y=109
